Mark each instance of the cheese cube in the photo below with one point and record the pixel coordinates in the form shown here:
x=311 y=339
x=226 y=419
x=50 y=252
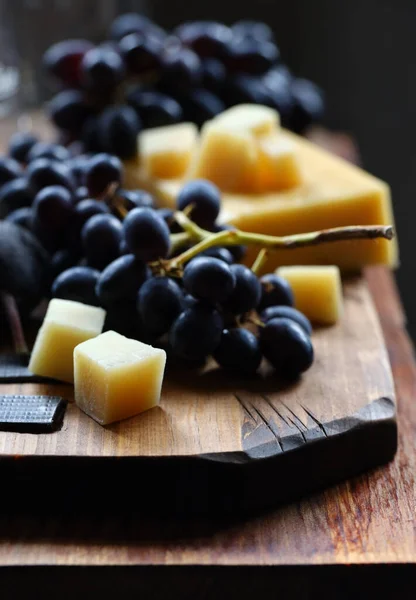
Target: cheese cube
x=166 y=152
x=227 y=157
x=66 y=325
x=252 y=118
x=117 y=378
x=317 y=291
x=278 y=166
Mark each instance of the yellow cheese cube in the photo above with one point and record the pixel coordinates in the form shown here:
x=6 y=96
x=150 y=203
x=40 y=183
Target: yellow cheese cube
x=334 y=193
x=166 y=152
x=226 y=157
x=117 y=378
x=317 y=291
x=66 y=325
x=252 y=118
x=278 y=166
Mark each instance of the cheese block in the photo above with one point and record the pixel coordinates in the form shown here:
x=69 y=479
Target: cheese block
x=116 y=377
x=277 y=164
x=317 y=291
x=66 y=325
x=166 y=152
x=252 y=118
x=334 y=193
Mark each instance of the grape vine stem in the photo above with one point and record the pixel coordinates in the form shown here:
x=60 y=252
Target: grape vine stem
x=234 y=237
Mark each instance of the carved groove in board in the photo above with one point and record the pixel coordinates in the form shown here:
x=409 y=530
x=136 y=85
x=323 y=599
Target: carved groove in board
x=257 y=439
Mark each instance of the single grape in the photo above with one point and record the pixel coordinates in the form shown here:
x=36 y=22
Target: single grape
x=44 y=172
x=20 y=145
x=190 y=300
x=15 y=194
x=121 y=280
x=181 y=70
x=155 y=109
x=278 y=83
x=101 y=237
x=208 y=40
x=142 y=54
x=209 y=279
x=91 y=137
x=101 y=170
x=239 y=351
x=52 y=207
x=239 y=251
x=78 y=165
x=9 y=169
x=220 y=253
x=247 y=292
x=201 y=105
x=64 y=58
x=61 y=261
x=129 y=23
x=119 y=128
x=48 y=150
x=86 y=209
x=286 y=346
x=147 y=234
x=69 y=111
x=136 y=199
x=214 y=75
x=276 y=291
x=309 y=105
x=78 y=284
x=246 y=89
x=251 y=56
x=21 y=216
x=159 y=302
x=288 y=312
x=124 y=318
x=80 y=194
x=102 y=69
x=205 y=199
x=255 y=30
x=196 y=333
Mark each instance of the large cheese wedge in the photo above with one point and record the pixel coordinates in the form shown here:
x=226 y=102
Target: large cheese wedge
x=334 y=193
x=277 y=164
x=252 y=118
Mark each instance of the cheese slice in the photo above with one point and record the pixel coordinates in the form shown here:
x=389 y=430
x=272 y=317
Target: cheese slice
x=334 y=193
x=116 y=377
x=317 y=291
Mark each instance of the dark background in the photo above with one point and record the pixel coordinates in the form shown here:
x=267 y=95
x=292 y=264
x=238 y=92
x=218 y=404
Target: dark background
x=362 y=52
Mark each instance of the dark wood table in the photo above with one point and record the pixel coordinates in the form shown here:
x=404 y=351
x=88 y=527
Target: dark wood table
x=354 y=537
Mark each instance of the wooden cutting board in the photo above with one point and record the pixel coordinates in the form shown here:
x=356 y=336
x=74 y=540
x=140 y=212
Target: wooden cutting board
x=221 y=443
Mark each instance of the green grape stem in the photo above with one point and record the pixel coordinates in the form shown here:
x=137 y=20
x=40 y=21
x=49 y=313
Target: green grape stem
x=206 y=239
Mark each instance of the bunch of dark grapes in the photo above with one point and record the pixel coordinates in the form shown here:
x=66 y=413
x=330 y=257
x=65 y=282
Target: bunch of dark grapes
x=142 y=77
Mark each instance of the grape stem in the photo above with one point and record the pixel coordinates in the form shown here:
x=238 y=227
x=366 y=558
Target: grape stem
x=13 y=318
x=260 y=261
x=234 y=237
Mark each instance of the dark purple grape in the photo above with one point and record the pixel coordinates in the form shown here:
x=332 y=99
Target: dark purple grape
x=246 y=89
x=214 y=74
x=239 y=251
x=20 y=145
x=278 y=84
x=205 y=199
x=78 y=165
x=251 y=57
x=167 y=215
x=52 y=208
x=129 y=23
x=247 y=291
x=48 y=150
x=220 y=253
x=209 y=279
x=196 y=333
x=102 y=69
x=44 y=172
x=22 y=217
x=88 y=208
x=64 y=58
x=101 y=238
x=119 y=127
x=155 y=109
x=287 y=347
x=276 y=291
x=201 y=105
x=208 y=40
x=61 y=261
x=77 y=284
x=181 y=70
x=102 y=170
x=309 y=105
x=147 y=234
x=142 y=54
x=80 y=194
x=15 y=194
x=121 y=280
x=254 y=30
x=91 y=137
x=136 y=199
x=238 y=351
x=69 y=110
x=288 y=312
x=159 y=302
x=9 y=169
